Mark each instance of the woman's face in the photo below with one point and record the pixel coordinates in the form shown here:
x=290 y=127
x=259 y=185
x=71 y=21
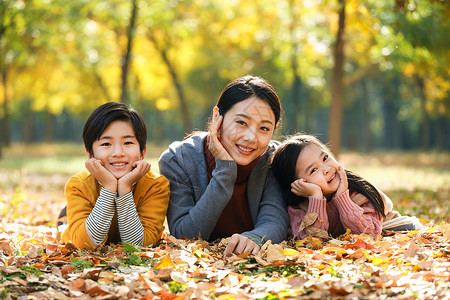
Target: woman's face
x=247 y=129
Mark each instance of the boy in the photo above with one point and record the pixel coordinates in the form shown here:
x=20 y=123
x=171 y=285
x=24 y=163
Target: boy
x=118 y=198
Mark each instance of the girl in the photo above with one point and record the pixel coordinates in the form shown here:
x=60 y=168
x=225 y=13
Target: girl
x=334 y=199
x=220 y=181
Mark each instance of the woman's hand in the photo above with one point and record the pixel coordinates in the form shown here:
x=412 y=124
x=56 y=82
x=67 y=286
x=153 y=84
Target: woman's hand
x=302 y=188
x=239 y=244
x=106 y=178
x=343 y=184
x=140 y=168
x=215 y=146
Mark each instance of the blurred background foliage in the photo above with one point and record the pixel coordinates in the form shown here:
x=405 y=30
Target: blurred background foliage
x=363 y=74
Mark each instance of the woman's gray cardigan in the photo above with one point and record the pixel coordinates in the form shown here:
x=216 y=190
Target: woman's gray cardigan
x=195 y=205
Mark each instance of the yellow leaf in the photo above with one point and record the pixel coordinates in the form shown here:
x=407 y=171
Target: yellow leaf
x=333 y=249
x=166 y=262
x=300 y=243
x=199 y=253
x=378 y=261
x=288 y=252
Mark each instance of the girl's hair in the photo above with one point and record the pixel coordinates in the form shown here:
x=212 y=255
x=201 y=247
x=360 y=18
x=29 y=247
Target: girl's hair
x=245 y=87
x=283 y=165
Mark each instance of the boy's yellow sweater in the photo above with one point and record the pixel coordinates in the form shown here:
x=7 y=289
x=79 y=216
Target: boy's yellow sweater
x=151 y=196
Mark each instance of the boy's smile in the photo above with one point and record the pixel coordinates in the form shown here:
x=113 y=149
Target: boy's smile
x=117 y=148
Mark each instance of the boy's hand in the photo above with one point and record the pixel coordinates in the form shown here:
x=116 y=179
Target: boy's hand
x=343 y=184
x=239 y=244
x=302 y=188
x=215 y=146
x=107 y=180
x=141 y=167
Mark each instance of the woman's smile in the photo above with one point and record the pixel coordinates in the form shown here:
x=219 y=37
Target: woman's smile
x=245 y=150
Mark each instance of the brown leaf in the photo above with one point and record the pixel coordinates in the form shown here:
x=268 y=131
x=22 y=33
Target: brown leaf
x=57 y=271
x=412 y=250
x=97 y=290
x=297 y=281
x=359 y=243
x=77 y=284
x=164 y=273
x=33 y=252
x=308 y=220
x=65 y=270
x=317 y=232
x=273 y=254
x=10 y=269
x=116 y=253
x=6 y=248
x=91 y=274
x=150 y=284
x=18 y=280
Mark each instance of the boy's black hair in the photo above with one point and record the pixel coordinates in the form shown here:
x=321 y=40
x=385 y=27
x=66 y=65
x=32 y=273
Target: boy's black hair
x=107 y=113
x=283 y=164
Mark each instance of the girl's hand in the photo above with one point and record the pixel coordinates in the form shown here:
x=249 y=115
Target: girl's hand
x=107 y=180
x=239 y=244
x=215 y=146
x=140 y=168
x=343 y=184
x=302 y=188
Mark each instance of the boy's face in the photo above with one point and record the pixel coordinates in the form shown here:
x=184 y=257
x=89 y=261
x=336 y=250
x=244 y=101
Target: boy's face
x=117 y=148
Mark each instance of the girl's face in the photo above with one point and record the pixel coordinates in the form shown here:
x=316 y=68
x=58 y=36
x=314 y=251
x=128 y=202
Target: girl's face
x=317 y=166
x=118 y=148
x=247 y=129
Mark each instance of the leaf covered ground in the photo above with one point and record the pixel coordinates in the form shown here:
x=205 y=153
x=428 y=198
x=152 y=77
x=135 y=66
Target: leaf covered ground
x=34 y=265
x=410 y=265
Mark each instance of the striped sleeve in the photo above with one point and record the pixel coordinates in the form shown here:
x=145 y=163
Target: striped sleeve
x=99 y=220
x=130 y=226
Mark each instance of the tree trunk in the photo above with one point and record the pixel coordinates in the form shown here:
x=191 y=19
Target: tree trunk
x=296 y=87
x=425 y=116
x=49 y=127
x=127 y=55
x=337 y=91
x=366 y=117
x=176 y=82
x=28 y=123
x=442 y=133
x=4 y=137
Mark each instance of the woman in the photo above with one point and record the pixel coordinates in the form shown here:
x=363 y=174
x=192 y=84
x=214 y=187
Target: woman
x=220 y=181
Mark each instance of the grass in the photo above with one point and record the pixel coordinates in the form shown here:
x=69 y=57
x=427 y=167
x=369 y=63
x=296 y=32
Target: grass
x=32 y=179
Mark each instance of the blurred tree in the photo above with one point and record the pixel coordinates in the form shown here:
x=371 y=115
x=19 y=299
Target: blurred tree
x=9 y=12
x=337 y=92
x=127 y=53
x=166 y=33
x=420 y=33
x=173 y=58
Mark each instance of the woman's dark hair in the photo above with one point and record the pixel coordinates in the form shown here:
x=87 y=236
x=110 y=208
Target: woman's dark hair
x=107 y=113
x=245 y=87
x=283 y=164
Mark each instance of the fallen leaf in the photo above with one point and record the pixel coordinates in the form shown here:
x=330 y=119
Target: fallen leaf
x=412 y=250
x=166 y=262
